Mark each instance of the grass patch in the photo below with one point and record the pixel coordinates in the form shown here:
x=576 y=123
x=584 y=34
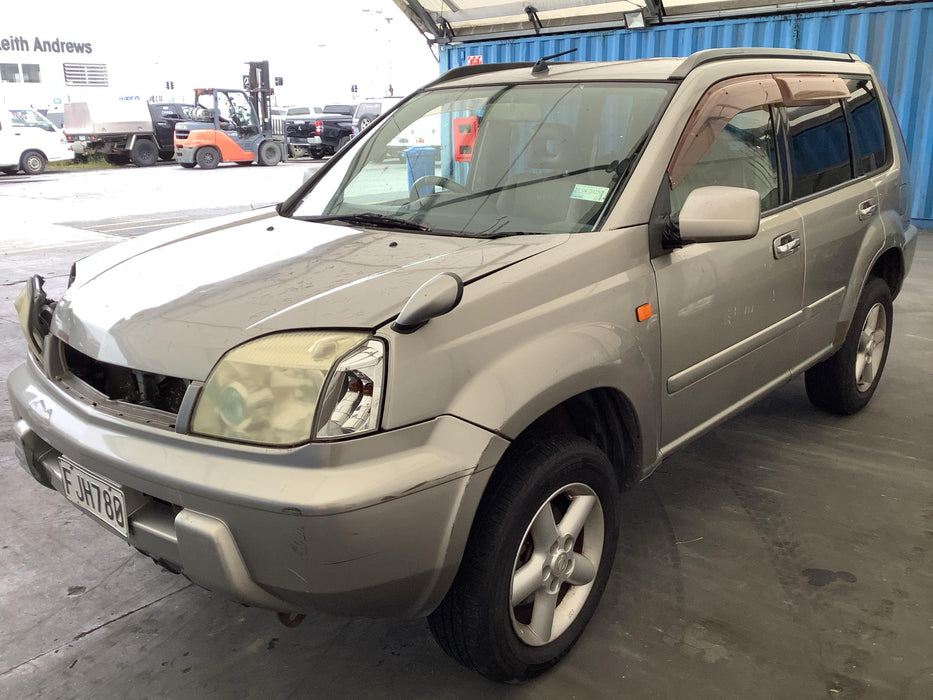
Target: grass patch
x=89 y=163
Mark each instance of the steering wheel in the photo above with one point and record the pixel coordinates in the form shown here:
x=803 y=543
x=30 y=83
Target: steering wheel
x=431 y=181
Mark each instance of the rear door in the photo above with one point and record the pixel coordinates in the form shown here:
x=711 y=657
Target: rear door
x=729 y=311
x=837 y=198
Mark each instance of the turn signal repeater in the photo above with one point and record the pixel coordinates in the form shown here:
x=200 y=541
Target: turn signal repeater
x=643 y=312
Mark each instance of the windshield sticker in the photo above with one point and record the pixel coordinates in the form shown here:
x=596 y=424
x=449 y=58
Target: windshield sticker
x=590 y=193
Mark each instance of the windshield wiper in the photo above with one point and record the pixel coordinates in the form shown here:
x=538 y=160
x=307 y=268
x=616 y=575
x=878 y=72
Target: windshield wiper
x=369 y=219
x=618 y=168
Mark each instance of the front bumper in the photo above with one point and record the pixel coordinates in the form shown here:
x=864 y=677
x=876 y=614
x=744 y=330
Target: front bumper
x=373 y=526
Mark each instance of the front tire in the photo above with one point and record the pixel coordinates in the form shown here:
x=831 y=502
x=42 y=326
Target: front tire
x=32 y=163
x=536 y=563
x=845 y=383
x=269 y=153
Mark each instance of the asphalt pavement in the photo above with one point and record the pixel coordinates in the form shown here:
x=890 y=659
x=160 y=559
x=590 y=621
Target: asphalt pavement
x=786 y=554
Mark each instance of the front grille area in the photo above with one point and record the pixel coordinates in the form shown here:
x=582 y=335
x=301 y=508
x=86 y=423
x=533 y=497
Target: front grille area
x=130 y=386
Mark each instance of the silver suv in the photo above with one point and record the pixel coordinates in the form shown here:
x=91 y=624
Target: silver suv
x=416 y=389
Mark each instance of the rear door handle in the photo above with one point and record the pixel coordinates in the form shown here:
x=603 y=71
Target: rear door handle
x=867 y=209
x=785 y=245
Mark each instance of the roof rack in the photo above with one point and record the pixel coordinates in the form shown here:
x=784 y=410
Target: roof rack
x=710 y=55
x=478 y=69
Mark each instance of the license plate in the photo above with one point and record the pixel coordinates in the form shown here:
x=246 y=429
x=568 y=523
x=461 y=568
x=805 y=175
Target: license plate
x=94 y=494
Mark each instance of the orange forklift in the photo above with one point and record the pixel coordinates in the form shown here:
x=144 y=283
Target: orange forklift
x=232 y=126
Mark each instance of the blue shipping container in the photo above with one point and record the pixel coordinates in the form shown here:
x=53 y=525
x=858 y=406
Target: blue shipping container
x=896 y=39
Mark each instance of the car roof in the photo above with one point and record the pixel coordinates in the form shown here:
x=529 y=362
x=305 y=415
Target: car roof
x=640 y=69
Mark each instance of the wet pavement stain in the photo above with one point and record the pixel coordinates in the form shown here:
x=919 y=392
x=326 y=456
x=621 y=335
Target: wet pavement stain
x=823 y=577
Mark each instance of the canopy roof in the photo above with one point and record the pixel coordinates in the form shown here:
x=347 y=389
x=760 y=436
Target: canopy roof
x=448 y=21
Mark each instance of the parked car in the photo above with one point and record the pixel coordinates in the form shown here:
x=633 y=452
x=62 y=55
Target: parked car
x=418 y=391
x=368 y=110
x=319 y=134
x=28 y=141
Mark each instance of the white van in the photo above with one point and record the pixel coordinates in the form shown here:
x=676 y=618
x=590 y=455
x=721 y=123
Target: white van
x=28 y=141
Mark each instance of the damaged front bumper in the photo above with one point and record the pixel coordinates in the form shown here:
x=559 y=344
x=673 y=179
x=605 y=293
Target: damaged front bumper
x=373 y=526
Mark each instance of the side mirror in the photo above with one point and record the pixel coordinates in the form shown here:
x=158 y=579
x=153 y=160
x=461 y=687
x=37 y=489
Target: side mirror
x=720 y=214
x=436 y=297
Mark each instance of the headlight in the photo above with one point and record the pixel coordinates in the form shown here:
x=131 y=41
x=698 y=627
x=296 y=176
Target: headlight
x=286 y=388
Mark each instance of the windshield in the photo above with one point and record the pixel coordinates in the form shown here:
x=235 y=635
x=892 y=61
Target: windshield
x=493 y=160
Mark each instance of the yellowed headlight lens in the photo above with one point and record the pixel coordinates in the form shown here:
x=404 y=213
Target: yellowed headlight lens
x=266 y=391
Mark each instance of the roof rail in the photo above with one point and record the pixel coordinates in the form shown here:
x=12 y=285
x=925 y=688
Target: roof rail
x=710 y=55
x=478 y=69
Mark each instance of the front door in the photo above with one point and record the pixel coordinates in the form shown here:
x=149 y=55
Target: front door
x=729 y=311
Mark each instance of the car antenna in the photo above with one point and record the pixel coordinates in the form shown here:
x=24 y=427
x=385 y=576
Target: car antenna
x=542 y=67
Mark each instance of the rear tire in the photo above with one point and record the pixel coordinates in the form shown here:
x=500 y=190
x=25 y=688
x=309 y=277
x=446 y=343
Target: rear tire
x=117 y=158
x=187 y=165
x=32 y=163
x=536 y=563
x=269 y=153
x=144 y=153
x=166 y=155
x=845 y=383
x=208 y=157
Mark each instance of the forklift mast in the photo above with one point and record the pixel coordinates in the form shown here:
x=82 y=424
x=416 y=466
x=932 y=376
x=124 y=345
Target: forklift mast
x=260 y=93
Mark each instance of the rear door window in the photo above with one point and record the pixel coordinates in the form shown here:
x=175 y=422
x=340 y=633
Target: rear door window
x=819 y=148
x=868 y=142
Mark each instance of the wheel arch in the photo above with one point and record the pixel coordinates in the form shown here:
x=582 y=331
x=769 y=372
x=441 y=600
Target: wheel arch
x=33 y=149
x=603 y=416
x=890 y=267
x=877 y=257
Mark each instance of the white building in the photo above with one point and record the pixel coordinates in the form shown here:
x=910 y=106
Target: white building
x=45 y=70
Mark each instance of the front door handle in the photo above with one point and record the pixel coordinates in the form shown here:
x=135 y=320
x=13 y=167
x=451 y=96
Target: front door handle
x=785 y=245
x=867 y=209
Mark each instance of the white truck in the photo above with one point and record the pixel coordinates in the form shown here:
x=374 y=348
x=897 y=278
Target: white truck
x=124 y=132
x=28 y=141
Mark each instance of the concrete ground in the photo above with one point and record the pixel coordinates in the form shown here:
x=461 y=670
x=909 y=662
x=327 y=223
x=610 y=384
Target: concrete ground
x=787 y=554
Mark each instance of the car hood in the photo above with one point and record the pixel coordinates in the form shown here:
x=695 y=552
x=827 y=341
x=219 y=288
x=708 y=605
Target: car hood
x=174 y=302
